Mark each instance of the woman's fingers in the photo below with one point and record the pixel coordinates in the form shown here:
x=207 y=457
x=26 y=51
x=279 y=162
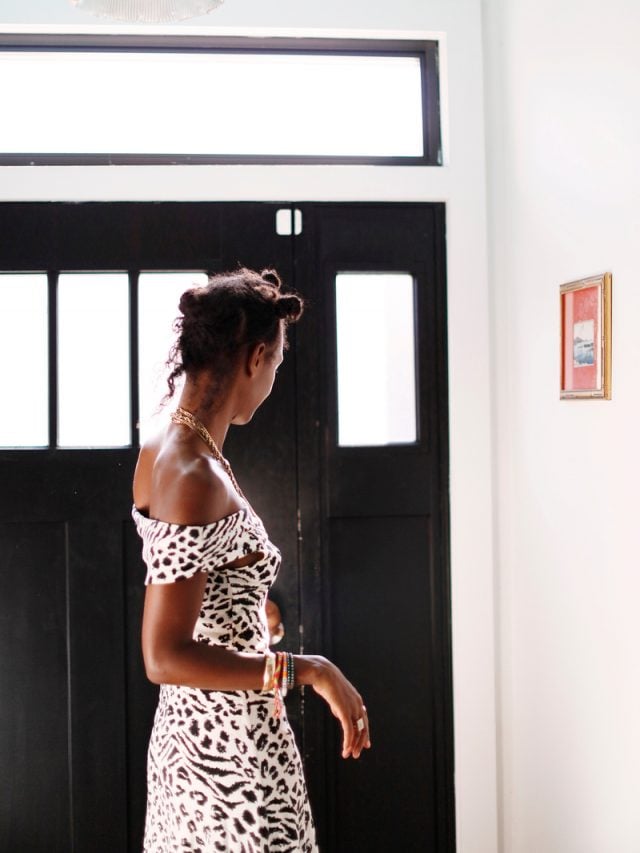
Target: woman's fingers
x=363 y=738
x=356 y=735
x=367 y=731
x=347 y=736
x=350 y=734
x=346 y=705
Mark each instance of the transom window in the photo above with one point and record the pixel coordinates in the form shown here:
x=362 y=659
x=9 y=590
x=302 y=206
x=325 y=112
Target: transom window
x=105 y=100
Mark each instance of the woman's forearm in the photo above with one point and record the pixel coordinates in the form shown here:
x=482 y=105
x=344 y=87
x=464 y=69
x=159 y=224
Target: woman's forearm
x=209 y=667
x=206 y=667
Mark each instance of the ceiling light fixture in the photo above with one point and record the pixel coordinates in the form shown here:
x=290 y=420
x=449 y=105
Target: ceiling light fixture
x=147 y=11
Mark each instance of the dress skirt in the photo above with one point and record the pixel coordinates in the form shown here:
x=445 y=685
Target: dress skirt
x=224 y=775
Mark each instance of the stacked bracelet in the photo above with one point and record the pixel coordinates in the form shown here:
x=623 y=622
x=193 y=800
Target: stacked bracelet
x=279 y=677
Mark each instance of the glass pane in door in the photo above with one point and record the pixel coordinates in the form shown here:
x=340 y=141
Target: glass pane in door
x=24 y=354
x=376 y=358
x=93 y=360
x=158 y=297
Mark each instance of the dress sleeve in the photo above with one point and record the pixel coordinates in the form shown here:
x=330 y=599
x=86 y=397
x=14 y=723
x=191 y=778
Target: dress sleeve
x=174 y=552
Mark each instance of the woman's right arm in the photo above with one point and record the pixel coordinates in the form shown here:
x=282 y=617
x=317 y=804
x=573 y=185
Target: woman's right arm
x=172 y=656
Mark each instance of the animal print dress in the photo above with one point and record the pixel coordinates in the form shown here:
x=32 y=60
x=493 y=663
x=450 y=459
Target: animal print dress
x=223 y=774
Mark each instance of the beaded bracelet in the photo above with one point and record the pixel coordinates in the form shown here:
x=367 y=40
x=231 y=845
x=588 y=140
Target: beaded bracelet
x=291 y=675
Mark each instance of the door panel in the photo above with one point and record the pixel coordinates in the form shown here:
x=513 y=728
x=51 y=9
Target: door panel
x=359 y=483
x=363 y=533
x=117 y=236
x=33 y=726
x=96 y=642
x=380 y=608
x=66 y=546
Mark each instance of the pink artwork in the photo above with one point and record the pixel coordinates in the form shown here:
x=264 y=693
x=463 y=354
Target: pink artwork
x=585 y=339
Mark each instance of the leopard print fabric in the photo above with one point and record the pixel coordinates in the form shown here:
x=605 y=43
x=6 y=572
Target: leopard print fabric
x=223 y=774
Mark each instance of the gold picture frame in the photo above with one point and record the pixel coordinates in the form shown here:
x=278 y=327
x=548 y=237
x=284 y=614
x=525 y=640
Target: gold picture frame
x=585 y=338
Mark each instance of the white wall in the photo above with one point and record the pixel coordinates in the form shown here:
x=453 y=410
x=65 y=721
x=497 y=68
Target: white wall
x=563 y=117
x=461 y=184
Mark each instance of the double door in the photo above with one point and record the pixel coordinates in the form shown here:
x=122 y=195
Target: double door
x=359 y=514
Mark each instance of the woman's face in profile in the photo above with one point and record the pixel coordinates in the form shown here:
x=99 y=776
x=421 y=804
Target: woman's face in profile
x=262 y=380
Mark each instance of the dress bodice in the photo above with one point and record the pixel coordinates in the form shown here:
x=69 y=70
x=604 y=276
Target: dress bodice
x=233 y=605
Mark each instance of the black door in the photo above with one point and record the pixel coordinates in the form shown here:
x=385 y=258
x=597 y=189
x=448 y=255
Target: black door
x=362 y=531
x=381 y=553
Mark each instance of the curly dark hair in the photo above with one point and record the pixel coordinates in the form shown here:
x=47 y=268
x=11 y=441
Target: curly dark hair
x=233 y=312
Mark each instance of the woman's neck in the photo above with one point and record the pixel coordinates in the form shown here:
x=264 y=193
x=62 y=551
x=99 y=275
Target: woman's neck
x=215 y=418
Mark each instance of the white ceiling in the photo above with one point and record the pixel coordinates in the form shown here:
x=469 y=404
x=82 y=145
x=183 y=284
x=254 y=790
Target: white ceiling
x=399 y=14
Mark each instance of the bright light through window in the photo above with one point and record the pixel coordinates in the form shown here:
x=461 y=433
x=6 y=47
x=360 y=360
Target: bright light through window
x=196 y=103
x=158 y=297
x=93 y=360
x=376 y=358
x=24 y=353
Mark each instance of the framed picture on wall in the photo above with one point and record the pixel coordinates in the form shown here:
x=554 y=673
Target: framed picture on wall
x=585 y=338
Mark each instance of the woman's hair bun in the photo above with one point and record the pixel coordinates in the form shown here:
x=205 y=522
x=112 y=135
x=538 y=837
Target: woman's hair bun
x=271 y=277
x=188 y=301
x=289 y=307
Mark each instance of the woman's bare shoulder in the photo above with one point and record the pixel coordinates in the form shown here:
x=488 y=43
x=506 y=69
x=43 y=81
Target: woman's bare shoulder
x=144 y=472
x=174 y=483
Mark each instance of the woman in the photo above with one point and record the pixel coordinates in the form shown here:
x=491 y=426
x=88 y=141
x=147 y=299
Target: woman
x=224 y=772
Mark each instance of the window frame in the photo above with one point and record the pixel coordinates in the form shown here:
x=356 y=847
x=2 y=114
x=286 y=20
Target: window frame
x=425 y=51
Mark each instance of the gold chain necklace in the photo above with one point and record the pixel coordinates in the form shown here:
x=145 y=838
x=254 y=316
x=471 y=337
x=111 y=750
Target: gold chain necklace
x=182 y=416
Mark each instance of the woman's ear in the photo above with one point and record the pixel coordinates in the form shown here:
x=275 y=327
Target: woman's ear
x=256 y=356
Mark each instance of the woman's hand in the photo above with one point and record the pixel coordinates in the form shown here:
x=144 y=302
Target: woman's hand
x=343 y=699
